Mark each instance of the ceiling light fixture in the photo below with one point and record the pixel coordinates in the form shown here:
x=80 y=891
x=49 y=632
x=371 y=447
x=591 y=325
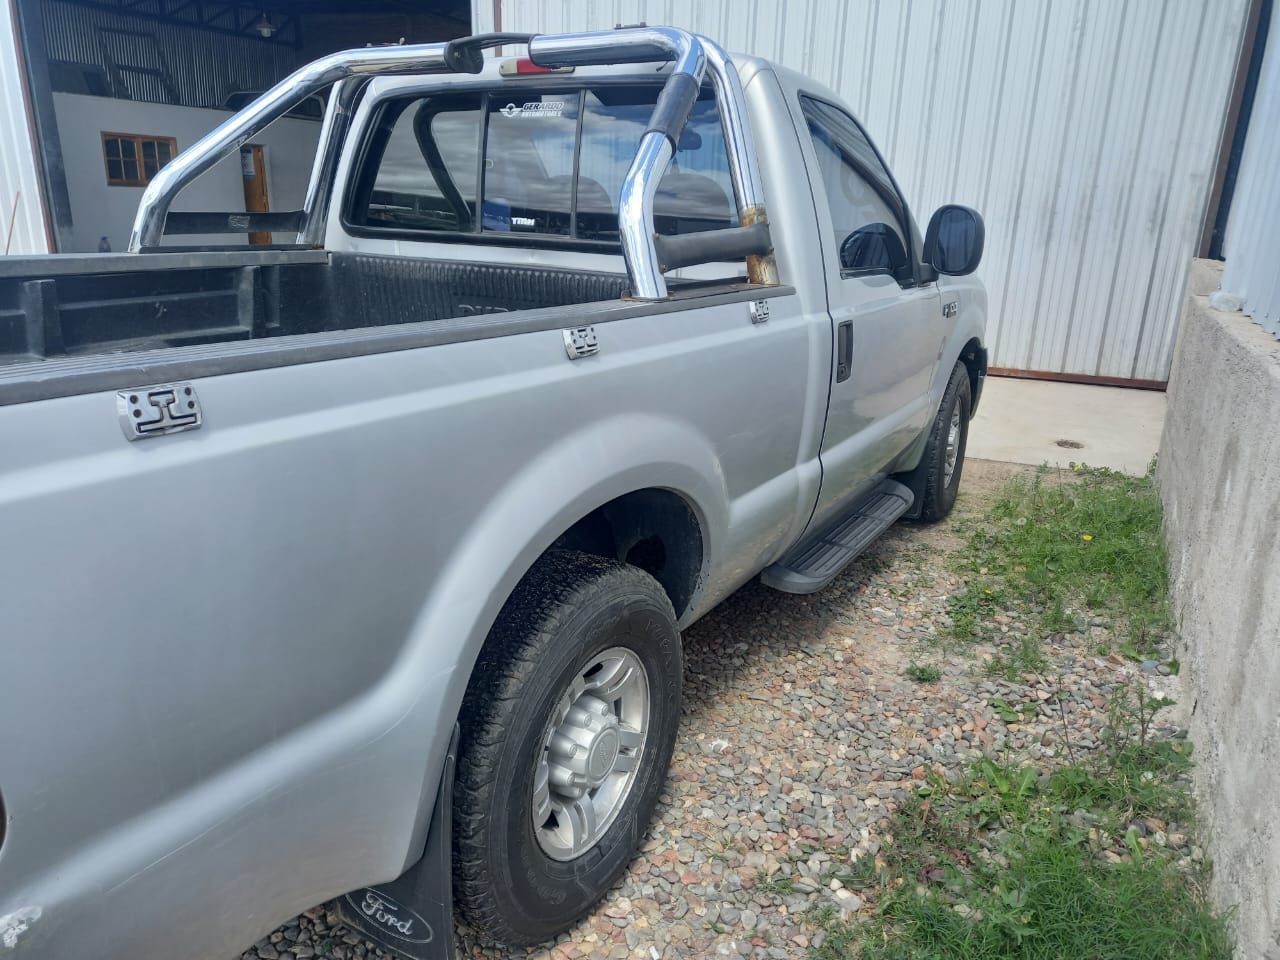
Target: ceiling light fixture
x=264 y=27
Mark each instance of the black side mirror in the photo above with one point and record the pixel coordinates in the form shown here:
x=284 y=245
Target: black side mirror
x=875 y=248
x=953 y=243
x=690 y=140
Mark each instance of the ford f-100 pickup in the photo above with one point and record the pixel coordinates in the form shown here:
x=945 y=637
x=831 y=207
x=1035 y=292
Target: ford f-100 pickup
x=354 y=567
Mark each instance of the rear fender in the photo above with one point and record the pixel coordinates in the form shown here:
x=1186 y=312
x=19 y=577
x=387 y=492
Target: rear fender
x=581 y=472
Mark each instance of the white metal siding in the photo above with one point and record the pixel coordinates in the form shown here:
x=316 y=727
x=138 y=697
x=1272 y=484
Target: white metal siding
x=1252 y=243
x=1084 y=131
x=21 y=197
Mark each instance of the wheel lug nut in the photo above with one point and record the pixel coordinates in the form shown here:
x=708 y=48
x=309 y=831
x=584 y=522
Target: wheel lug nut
x=565 y=779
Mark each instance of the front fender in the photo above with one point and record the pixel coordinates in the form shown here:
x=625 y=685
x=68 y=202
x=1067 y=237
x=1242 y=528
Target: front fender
x=969 y=324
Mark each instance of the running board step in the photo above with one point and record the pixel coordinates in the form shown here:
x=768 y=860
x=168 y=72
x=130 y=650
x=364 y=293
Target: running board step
x=819 y=560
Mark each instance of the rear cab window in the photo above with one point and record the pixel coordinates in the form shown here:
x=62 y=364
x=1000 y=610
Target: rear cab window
x=544 y=165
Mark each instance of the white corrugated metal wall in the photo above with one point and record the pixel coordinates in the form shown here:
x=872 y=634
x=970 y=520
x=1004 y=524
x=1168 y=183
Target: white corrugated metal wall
x=1252 y=242
x=1085 y=131
x=21 y=197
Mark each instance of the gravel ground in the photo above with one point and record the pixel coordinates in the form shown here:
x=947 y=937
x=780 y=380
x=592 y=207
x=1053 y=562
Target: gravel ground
x=800 y=737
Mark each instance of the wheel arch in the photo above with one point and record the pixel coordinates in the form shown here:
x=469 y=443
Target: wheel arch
x=974 y=357
x=654 y=528
x=648 y=490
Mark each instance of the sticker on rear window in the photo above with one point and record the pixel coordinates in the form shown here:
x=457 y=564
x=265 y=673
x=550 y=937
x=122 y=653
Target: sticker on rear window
x=535 y=108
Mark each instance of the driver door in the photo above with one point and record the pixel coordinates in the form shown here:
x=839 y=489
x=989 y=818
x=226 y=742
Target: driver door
x=887 y=327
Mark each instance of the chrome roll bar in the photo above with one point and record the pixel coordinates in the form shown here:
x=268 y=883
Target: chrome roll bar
x=148 y=225
x=635 y=216
x=333 y=131
x=743 y=169
x=690 y=54
x=653 y=155
x=629 y=45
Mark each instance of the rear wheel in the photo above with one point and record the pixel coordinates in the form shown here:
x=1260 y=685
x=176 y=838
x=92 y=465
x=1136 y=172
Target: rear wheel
x=567 y=731
x=943 y=460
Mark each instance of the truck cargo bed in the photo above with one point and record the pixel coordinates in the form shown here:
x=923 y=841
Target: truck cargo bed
x=73 y=306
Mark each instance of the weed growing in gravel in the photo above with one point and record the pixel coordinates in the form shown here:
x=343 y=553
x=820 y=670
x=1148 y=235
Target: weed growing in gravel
x=1088 y=860
x=972 y=609
x=923 y=673
x=1056 y=540
x=1022 y=656
x=777 y=884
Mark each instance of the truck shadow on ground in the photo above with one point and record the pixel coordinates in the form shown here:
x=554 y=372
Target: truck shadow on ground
x=758 y=623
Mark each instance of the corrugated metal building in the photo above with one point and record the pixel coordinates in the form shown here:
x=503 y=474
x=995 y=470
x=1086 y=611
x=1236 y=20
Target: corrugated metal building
x=123 y=54
x=1085 y=131
x=21 y=195
x=1252 y=244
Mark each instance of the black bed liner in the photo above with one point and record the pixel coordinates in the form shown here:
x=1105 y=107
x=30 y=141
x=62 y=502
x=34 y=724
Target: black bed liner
x=101 y=305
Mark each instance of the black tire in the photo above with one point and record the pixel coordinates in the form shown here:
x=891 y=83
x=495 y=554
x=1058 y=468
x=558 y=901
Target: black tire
x=939 y=492
x=569 y=608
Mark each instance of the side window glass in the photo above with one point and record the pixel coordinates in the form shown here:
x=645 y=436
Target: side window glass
x=866 y=215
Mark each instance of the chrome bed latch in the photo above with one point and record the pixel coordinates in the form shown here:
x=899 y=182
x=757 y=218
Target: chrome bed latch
x=581 y=342
x=158 y=410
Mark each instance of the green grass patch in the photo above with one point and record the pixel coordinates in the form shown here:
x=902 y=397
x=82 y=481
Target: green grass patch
x=923 y=673
x=1014 y=862
x=1058 y=541
x=1051 y=903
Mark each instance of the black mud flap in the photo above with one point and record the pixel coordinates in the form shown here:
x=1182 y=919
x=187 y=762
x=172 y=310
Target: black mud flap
x=413 y=915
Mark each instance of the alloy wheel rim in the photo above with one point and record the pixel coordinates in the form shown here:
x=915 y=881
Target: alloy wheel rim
x=590 y=754
x=953 y=446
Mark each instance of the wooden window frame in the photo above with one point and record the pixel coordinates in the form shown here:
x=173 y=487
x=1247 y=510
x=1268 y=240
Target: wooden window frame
x=137 y=139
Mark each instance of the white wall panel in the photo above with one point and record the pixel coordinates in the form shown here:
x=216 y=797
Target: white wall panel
x=1085 y=131
x=21 y=197
x=1252 y=243
x=107 y=211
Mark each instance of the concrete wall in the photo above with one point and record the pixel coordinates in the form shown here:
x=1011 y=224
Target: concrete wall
x=1252 y=244
x=1219 y=476
x=101 y=210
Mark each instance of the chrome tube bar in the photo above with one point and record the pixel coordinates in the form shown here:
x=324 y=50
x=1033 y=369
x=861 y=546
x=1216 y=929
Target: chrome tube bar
x=743 y=169
x=737 y=131
x=333 y=132
x=633 y=45
x=635 y=204
x=635 y=216
x=690 y=54
x=148 y=225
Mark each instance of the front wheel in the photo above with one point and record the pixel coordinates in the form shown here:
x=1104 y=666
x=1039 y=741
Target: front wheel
x=943 y=460
x=567 y=730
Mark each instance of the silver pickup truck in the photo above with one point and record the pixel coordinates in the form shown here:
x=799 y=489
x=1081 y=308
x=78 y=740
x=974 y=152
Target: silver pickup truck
x=354 y=568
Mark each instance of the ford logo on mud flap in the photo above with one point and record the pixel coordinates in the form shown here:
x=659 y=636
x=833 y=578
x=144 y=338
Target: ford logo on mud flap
x=390 y=917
